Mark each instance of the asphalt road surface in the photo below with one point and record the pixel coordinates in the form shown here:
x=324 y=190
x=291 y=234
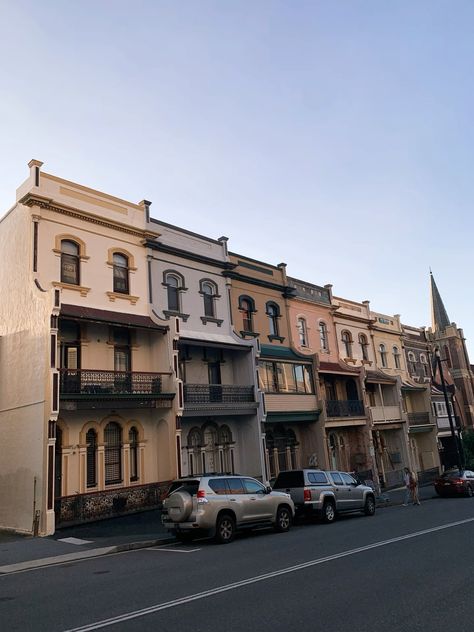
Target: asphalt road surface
x=406 y=569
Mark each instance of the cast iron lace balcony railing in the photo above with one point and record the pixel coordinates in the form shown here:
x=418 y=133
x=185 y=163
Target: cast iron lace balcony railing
x=418 y=419
x=345 y=408
x=107 y=383
x=217 y=393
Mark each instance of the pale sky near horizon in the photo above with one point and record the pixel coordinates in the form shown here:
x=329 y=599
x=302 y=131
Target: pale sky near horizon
x=335 y=136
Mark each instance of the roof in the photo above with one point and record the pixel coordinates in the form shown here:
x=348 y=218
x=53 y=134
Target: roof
x=335 y=367
x=282 y=353
x=214 y=339
x=91 y=314
x=439 y=315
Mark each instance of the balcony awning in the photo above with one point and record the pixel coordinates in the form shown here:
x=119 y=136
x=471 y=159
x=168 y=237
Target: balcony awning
x=411 y=386
x=295 y=417
x=378 y=377
x=104 y=316
x=418 y=429
x=282 y=353
x=202 y=338
x=335 y=367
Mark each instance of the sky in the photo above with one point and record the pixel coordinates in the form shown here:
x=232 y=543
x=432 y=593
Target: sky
x=335 y=136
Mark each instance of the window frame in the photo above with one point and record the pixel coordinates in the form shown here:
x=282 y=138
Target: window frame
x=323 y=336
x=247 y=309
x=117 y=278
x=347 y=341
x=302 y=329
x=73 y=258
x=272 y=310
x=383 y=355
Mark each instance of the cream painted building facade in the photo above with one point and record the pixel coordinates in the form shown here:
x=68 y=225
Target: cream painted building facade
x=88 y=404
x=221 y=421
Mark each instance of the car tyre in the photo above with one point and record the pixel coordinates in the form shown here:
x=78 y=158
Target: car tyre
x=369 y=507
x=283 y=519
x=469 y=491
x=225 y=529
x=329 y=512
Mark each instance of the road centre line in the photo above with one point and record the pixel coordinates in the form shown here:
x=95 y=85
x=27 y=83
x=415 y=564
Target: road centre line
x=253 y=580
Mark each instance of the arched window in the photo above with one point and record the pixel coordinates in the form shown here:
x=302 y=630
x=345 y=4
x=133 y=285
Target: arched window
x=133 y=442
x=364 y=346
x=323 y=336
x=91 y=443
x=174 y=285
x=226 y=453
x=302 y=332
x=194 y=451
x=346 y=339
x=208 y=291
x=70 y=262
x=273 y=313
x=424 y=363
x=447 y=356
x=210 y=462
x=396 y=357
x=121 y=283
x=383 y=355
x=247 y=308
x=113 y=453
x=412 y=362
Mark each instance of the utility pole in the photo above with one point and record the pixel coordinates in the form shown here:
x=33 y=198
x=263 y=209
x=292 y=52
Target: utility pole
x=448 y=408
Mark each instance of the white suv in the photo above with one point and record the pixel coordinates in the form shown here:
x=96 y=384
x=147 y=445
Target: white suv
x=219 y=505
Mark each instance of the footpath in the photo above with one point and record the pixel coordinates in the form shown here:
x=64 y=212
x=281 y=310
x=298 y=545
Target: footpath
x=135 y=531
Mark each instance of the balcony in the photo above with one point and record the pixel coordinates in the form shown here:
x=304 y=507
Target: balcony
x=385 y=413
x=199 y=397
x=90 y=385
x=345 y=408
x=418 y=419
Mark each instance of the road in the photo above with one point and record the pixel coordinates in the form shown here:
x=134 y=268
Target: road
x=405 y=569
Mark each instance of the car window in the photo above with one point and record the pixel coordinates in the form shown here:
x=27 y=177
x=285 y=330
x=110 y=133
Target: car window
x=336 y=477
x=347 y=478
x=291 y=478
x=317 y=478
x=253 y=487
x=219 y=485
x=453 y=474
x=235 y=486
x=184 y=486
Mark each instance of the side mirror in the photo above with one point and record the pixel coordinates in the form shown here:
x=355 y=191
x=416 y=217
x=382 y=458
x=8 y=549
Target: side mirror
x=268 y=489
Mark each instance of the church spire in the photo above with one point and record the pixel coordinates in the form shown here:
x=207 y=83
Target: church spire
x=439 y=315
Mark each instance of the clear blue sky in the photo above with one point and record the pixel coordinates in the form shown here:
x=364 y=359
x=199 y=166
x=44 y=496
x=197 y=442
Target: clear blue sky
x=353 y=119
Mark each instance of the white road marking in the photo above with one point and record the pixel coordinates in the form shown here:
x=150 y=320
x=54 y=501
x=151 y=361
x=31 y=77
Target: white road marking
x=77 y=541
x=259 y=578
x=157 y=548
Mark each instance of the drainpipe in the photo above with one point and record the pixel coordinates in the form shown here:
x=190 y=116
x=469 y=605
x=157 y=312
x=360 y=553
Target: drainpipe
x=36 y=512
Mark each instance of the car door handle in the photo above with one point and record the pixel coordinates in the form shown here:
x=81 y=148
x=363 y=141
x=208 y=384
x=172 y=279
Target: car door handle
x=252 y=498
x=232 y=500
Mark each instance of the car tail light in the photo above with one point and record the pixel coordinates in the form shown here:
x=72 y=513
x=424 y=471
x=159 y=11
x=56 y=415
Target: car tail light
x=307 y=495
x=458 y=481
x=201 y=496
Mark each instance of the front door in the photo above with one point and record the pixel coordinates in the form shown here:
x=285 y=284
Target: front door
x=58 y=460
x=215 y=388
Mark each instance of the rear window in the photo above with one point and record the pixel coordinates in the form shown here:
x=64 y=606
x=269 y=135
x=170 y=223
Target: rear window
x=455 y=474
x=184 y=486
x=219 y=485
x=317 y=478
x=289 y=479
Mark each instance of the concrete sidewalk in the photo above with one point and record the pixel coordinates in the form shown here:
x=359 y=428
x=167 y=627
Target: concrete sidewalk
x=125 y=533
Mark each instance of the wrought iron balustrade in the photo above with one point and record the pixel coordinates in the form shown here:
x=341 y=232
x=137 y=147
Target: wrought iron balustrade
x=217 y=393
x=345 y=408
x=418 y=419
x=107 y=383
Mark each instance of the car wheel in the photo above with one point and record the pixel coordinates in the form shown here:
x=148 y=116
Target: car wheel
x=469 y=491
x=283 y=519
x=225 y=529
x=329 y=512
x=369 y=507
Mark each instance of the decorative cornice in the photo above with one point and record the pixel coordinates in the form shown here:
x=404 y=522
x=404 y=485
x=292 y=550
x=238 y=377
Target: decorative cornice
x=285 y=290
x=31 y=199
x=185 y=254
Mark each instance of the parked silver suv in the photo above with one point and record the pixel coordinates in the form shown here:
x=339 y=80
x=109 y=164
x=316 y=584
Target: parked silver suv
x=219 y=505
x=325 y=494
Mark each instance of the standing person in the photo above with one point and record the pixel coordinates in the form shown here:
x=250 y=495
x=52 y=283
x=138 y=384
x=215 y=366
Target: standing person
x=411 y=487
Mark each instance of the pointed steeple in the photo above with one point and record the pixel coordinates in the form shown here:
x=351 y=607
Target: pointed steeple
x=439 y=315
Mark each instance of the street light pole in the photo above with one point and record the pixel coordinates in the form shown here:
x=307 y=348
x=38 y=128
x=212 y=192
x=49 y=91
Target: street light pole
x=450 y=417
